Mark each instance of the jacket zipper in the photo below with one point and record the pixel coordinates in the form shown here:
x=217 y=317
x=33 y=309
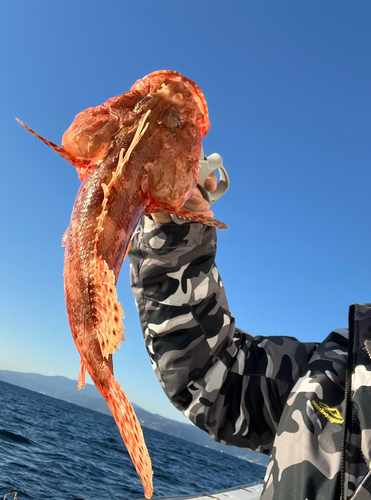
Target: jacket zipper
x=347 y=410
x=368 y=347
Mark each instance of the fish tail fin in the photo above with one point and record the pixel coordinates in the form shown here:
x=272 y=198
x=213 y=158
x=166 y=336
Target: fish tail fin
x=131 y=433
x=80 y=164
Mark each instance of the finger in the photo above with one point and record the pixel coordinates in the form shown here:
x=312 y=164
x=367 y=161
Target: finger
x=211 y=183
x=196 y=198
x=196 y=202
x=161 y=217
x=210 y=214
x=199 y=206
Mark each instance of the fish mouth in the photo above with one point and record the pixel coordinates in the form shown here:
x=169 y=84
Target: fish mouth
x=156 y=79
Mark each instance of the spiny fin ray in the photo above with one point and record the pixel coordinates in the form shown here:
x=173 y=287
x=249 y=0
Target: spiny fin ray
x=181 y=212
x=82 y=165
x=108 y=310
x=82 y=373
x=208 y=221
x=64 y=237
x=142 y=127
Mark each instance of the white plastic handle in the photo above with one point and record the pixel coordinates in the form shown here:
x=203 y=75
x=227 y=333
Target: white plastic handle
x=207 y=165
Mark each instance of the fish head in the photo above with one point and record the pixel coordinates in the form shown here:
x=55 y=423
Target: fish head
x=168 y=153
x=178 y=121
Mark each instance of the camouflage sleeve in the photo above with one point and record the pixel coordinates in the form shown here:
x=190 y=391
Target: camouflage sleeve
x=228 y=383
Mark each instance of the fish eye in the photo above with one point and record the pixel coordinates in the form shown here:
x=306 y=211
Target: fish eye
x=141 y=102
x=171 y=120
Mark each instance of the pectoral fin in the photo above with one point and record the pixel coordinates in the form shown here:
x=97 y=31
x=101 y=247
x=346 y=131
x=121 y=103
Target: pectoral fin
x=161 y=206
x=208 y=221
x=108 y=310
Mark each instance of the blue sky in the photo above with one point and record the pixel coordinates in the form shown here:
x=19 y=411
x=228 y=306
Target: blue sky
x=288 y=88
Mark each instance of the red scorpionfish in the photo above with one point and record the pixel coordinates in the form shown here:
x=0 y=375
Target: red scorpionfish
x=136 y=153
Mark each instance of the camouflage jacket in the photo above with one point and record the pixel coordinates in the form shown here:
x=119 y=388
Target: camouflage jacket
x=307 y=405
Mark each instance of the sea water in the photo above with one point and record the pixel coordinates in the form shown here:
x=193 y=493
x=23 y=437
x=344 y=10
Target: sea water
x=51 y=449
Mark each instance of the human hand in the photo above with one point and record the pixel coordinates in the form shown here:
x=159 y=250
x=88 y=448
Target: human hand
x=195 y=204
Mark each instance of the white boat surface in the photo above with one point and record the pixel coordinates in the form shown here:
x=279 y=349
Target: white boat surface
x=247 y=492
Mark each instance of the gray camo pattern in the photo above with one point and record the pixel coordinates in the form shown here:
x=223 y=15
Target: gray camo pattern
x=262 y=393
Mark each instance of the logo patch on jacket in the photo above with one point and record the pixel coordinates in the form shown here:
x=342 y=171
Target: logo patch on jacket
x=331 y=414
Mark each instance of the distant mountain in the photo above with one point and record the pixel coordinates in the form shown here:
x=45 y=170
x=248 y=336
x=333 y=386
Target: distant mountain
x=66 y=389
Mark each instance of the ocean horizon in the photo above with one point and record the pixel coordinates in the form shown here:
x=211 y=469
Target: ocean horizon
x=52 y=449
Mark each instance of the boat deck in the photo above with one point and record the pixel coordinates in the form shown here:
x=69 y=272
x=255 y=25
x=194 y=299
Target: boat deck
x=248 y=492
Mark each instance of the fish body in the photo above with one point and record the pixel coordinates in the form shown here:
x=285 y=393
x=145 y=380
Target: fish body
x=137 y=153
